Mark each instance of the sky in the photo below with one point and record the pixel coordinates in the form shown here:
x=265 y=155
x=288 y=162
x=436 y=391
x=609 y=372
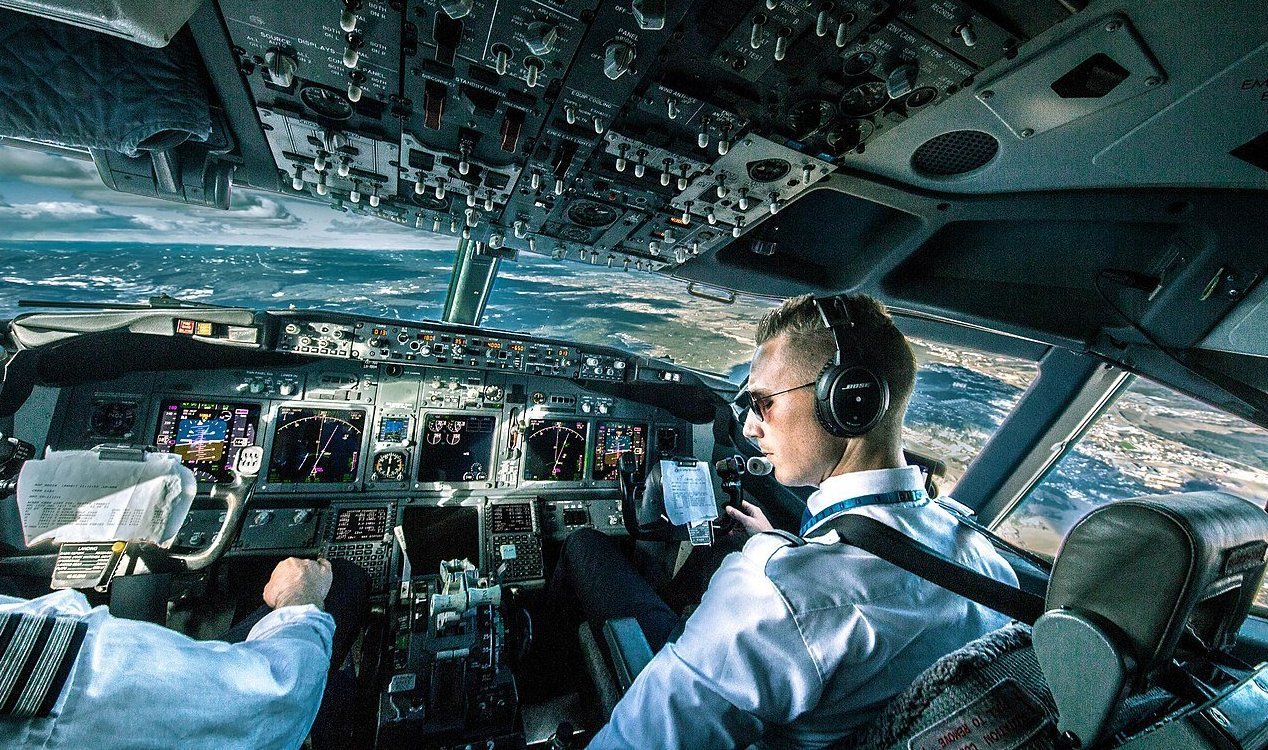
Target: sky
x=270 y=250
x=44 y=197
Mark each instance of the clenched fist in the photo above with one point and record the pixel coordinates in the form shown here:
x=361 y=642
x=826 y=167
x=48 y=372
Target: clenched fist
x=296 y=582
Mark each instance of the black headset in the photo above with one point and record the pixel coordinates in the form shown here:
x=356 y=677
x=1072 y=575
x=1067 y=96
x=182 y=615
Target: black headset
x=850 y=399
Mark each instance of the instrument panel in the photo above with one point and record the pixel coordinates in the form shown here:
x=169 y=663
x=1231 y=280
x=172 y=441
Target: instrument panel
x=354 y=448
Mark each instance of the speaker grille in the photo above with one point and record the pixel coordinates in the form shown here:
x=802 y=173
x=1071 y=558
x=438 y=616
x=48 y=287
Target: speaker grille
x=953 y=153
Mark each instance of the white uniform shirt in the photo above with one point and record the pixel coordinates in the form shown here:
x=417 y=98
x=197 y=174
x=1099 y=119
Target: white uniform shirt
x=137 y=685
x=797 y=646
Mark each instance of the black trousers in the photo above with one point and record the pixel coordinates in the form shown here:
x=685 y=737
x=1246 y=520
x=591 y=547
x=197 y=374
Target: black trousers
x=594 y=582
x=348 y=603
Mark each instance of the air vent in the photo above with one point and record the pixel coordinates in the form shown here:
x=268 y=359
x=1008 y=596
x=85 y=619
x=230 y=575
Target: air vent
x=1091 y=79
x=953 y=153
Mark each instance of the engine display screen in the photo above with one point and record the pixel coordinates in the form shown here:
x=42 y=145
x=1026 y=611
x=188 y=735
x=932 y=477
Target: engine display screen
x=207 y=435
x=456 y=447
x=436 y=534
x=360 y=525
x=316 y=446
x=555 y=450
x=611 y=440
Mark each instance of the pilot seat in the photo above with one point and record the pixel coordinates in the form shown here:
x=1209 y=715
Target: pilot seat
x=1133 y=649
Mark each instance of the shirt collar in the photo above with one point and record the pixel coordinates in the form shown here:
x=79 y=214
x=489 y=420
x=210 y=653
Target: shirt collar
x=859 y=483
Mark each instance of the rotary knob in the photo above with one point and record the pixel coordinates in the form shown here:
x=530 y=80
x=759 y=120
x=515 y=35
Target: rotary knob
x=456 y=9
x=287 y=388
x=541 y=37
x=618 y=59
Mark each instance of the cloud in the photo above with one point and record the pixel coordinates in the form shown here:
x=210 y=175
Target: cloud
x=54 y=210
x=250 y=206
x=26 y=164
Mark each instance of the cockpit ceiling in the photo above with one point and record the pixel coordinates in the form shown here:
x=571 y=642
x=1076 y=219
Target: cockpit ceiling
x=1026 y=167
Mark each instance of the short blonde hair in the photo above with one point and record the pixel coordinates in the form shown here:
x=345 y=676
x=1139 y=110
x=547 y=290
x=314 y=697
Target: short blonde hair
x=882 y=347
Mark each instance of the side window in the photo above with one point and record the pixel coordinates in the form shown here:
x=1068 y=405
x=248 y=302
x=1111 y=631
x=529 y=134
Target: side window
x=1152 y=440
x=962 y=397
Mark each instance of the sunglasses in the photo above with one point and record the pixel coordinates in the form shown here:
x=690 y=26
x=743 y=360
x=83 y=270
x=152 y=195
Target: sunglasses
x=758 y=405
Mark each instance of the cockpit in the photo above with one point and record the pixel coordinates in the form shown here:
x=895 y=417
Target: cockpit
x=480 y=275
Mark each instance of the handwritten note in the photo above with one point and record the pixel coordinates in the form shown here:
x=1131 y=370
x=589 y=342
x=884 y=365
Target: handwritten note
x=76 y=496
x=688 y=492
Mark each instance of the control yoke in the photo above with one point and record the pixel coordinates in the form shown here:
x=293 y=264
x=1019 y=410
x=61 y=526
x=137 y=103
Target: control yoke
x=632 y=487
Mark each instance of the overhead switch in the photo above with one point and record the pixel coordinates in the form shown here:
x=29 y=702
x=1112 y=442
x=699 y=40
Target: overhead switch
x=901 y=80
x=618 y=58
x=650 y=14
x=280 y=67
x=541 y=37
x=456 y=9
x=433 y=104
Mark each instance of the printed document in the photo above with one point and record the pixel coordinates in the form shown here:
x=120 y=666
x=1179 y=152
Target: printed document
x=688 y=492
x=76 y=496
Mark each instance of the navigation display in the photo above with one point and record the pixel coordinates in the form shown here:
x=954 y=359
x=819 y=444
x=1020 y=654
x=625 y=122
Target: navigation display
x=316 y=446
x=433 y=535
x=611 y=439
x=456 y=447
x=207 y=435
x=555 y=450
x=360 y=524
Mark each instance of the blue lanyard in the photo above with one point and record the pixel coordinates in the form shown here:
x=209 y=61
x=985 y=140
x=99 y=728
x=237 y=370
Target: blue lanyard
x=808 y=521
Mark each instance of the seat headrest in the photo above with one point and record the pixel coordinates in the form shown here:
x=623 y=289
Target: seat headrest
x=1154 y=565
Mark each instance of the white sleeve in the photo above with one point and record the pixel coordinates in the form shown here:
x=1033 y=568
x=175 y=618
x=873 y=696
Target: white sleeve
x=741 y=664
x=161 y=689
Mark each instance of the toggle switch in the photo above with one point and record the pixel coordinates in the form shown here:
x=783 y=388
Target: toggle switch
x=781 y=42
x=755 y=33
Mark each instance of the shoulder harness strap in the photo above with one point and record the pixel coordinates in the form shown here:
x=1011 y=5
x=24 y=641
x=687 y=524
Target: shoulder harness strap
x=923 y=561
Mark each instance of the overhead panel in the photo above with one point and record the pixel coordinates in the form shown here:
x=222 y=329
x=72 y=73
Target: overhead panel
x=638 y=134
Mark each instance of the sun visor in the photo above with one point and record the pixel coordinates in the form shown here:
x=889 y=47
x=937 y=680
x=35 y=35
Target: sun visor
x=73 y=87
x=1245 y=329
x=141 y=21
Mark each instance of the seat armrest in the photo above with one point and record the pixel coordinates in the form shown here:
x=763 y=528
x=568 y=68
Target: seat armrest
x=628 y=647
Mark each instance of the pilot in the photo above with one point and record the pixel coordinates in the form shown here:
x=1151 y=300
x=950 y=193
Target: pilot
x=135 y=684
x=798 y=640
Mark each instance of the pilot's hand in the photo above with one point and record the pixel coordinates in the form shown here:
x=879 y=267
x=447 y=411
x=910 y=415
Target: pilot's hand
x=750 y=517
x=296 y=582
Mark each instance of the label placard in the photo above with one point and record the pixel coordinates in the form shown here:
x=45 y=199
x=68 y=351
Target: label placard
x=1005 y=718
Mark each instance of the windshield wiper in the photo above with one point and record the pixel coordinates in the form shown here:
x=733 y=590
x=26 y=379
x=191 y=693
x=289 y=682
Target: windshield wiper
x=161 y=302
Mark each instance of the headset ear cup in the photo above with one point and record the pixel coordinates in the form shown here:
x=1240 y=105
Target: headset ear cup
x=850 y=400
x=823 y=400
